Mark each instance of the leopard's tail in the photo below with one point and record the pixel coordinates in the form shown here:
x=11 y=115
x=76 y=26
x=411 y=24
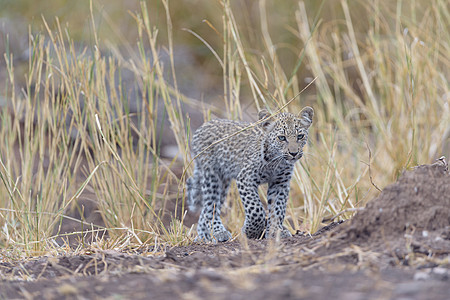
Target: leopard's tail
x=194 y=191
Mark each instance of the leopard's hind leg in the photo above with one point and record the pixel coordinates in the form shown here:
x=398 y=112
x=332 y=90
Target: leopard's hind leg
x=214 y=191
x=194 y=191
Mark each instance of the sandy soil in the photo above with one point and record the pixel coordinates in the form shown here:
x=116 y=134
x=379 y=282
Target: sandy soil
x=398 y=247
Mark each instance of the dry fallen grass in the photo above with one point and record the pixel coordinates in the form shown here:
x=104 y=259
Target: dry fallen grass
x=380 y=95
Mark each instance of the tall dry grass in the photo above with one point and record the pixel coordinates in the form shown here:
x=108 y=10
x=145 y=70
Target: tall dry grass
x=380 y=94
x=381 y=97
x=72 y=120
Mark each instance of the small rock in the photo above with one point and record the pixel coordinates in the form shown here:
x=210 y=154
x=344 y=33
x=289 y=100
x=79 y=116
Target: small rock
x=421 y=276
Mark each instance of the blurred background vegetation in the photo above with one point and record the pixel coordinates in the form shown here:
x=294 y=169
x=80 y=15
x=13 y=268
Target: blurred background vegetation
x=99 y=99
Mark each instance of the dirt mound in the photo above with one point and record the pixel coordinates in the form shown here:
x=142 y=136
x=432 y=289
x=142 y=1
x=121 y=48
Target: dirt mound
x=418 y=203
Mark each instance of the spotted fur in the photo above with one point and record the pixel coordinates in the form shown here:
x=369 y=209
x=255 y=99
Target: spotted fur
x=265 y=153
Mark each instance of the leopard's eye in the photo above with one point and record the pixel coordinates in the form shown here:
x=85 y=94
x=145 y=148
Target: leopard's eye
x=300 y=136
x=282 y=138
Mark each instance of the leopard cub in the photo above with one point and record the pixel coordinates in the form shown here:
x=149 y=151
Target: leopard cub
x=265 y=153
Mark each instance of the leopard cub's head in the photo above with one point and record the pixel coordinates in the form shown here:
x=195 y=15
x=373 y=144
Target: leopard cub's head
x=286 y=133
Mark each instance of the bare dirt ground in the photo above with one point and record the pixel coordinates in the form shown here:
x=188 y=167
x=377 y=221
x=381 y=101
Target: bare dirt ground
x=398 y=247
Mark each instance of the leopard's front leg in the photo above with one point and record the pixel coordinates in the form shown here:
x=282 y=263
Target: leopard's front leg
x=255 y=215
x=277 y=196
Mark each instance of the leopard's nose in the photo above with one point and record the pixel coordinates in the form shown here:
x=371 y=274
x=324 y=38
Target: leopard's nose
x=293 y=154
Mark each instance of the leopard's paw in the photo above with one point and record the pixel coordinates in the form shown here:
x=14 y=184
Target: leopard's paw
x=222 y=235
x=282 y=232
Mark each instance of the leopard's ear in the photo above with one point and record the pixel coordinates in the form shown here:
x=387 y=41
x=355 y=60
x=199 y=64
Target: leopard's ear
x=265 y=115
x=306 y=116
